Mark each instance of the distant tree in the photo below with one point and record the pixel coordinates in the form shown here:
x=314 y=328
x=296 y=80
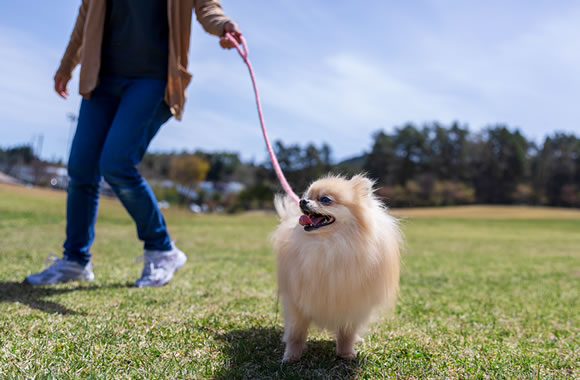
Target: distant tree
x=156 y=165
x=288 y=156
x=410 y=146
x=247 y=174
x=301 y=165
x=256 y=196
x=311 y=157
x=14 y=156
x=447 y=151
x=312 y=166
x=499 y=160
x=380 y=162
x=222 y=165
x=557 y=170
x=326 y=157
x=188 y=169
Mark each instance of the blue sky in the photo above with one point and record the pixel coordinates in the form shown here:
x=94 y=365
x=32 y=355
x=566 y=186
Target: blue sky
x=330 y=72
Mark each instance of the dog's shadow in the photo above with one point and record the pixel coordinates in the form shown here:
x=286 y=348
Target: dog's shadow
x=34 y=296
x=257 y=353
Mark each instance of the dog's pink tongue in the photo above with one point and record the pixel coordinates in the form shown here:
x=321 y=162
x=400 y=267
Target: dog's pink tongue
x=304 y=220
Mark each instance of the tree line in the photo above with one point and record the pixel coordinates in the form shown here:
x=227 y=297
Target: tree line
x=449 y=165
x=428 y=165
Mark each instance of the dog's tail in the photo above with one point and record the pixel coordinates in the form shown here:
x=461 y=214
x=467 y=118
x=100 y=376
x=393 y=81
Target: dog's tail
x=285 y=206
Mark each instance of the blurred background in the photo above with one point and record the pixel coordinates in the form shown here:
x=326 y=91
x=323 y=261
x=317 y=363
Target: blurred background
x=442 y=102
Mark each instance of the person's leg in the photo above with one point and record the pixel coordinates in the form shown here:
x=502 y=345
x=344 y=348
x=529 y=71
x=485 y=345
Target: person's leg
x=95 y=118
x=141 y=112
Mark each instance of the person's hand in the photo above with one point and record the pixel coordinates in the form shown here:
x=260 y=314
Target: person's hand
x=60 y=82
x=234 y=30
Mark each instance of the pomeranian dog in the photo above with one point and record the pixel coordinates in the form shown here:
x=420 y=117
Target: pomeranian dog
x=337 y=261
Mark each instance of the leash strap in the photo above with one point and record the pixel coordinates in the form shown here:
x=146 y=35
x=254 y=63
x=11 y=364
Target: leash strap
x=244 y=52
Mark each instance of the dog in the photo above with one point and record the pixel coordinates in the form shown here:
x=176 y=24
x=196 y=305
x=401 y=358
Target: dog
x=338 y=257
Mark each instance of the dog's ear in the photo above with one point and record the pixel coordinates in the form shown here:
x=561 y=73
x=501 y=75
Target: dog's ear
x=362 y=184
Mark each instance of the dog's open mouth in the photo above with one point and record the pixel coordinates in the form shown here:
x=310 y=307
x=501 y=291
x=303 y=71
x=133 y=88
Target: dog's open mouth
x=315 y=221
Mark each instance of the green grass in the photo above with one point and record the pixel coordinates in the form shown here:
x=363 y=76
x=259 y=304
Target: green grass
x=488 y=297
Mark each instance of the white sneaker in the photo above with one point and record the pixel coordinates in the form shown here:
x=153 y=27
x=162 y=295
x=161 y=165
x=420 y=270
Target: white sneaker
x=61 y=270
x=160 y=266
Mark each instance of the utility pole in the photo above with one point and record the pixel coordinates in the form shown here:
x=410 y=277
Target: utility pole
x=72 y=118
x=39 y=146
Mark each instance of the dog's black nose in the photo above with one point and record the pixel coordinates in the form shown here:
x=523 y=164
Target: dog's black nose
x=304 y=205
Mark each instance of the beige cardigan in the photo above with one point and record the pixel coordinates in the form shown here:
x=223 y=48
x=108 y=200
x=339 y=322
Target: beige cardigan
x=85 y=44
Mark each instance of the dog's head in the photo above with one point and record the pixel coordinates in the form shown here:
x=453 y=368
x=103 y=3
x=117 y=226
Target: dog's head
x=332 y=203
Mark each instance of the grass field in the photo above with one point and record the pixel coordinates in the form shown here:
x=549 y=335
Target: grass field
x=486 y=292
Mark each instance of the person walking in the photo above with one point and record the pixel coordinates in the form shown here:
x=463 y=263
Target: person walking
x=134 y=57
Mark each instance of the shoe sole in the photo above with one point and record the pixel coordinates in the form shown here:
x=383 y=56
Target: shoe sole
x=90 y=279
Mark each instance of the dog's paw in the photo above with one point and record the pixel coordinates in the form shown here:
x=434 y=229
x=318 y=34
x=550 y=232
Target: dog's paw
x=292 y=355
x=347 y=355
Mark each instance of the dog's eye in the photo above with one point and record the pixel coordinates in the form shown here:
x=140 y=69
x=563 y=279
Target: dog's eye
x=325 y=200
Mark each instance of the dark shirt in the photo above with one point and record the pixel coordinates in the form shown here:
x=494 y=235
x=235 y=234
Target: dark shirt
x=136 y=39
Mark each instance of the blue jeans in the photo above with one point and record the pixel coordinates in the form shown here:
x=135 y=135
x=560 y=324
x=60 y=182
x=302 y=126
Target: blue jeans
x=115 y=126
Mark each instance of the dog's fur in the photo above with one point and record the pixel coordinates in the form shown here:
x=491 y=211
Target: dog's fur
x=337 y=275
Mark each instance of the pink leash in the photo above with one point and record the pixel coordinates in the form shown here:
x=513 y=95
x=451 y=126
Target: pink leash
x=244 y=54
